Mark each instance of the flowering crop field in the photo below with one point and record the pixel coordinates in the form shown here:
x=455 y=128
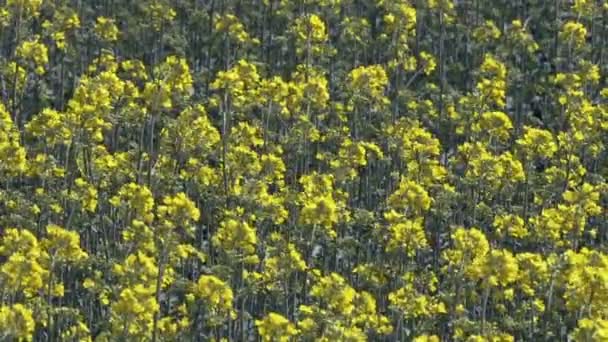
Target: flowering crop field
x=303 y=170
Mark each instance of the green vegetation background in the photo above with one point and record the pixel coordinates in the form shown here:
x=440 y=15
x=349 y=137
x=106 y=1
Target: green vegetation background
x=310 y=170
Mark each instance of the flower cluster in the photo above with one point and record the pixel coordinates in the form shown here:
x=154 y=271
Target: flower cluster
x=311 y=170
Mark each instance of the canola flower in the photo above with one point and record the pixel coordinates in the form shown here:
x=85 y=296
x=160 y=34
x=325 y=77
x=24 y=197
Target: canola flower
x=314 y=170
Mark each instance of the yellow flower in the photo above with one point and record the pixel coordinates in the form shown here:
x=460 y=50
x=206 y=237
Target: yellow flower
x=593 y=330
x=135 y=308
x=230 y=24
x=310 y=35
x=236 y=235
x=426 y=338
x=63 y=244
x=586 y=281
x=574 y=33
x=407 y=235
x=511 y=225
x=537 y=143
x=50 y=126
x=16 y=322
x=86 y=193
x=30 y=7
x=275 y=327
x=487 y=32
x=12 y=153
x=586 y=197
x=496 y=125
x=412 y=303
x=321 y=210
x=428 y=62
x=34 y=52
x=369 y=81
x=410 y=197
x=351 y=311
x=240 y=82
x=178 y=211
x=216 y=294
x=469 y=251
x=161 y=14
x=106 y=29
x=492 y=84
x=321 y=205
x=499 y=268
x=555 y=223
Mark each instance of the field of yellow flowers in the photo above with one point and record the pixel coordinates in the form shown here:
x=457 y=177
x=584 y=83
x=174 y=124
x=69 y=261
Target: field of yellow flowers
x=303 y=170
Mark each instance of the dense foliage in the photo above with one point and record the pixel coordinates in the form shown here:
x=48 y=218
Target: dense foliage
x=310 y=170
